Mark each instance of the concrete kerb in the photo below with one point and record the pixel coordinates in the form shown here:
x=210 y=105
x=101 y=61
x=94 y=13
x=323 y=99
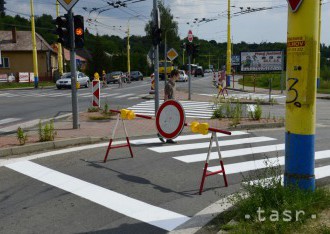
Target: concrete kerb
x=258 y=126
x=28 y=88
x=50 y=145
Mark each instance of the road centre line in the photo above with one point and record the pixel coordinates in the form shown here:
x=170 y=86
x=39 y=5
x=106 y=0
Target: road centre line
x=262 y=163
x=230 y=153
x=120 y=203
x=185 y=138
x=250 y=140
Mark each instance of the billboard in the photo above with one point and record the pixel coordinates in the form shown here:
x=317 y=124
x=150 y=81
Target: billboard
x=262 y=61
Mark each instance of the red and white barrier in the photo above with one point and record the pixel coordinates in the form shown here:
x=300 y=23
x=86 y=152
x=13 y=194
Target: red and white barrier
x=96 y=93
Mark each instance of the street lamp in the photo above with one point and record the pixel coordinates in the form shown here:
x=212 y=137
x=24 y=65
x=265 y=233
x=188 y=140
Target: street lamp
x=129 y=51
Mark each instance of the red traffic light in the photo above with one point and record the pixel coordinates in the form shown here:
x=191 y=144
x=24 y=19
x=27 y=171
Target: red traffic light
x=79 y=31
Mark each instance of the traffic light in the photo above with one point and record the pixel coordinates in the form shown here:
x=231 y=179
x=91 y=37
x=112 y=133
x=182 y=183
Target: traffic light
x=63 y=30
x=195 y=50
x=156 y=36
x=79 y=31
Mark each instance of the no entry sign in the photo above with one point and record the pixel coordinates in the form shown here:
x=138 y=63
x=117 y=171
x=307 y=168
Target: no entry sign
x=190 y=36
x=170 y=119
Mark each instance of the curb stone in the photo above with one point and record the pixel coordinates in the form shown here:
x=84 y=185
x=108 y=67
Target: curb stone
x=48 y=145
x=30 y=88
x=257 y=126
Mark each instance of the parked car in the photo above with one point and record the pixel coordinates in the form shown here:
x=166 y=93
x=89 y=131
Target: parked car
x=199 y=72
x=65 y=80
x=136 y=75
x=113 y=77
x=183 y=76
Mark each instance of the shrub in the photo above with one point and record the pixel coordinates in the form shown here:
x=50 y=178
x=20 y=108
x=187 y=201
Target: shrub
x=256 y=113
x=21 y=137
x=236 y=114
x=93 y=109
x=47 y=132
x=218 y=113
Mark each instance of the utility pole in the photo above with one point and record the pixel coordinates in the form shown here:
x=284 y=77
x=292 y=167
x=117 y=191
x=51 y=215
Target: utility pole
x=59 y=45
x=302 y=45
x=156 y=59
x=165 y=59
x=73 y=65
x=228 y=70
x=128 y=55
x=34 y=48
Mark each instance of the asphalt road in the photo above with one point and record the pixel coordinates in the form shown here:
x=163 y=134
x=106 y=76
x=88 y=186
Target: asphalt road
x=19 y=106
x=154 y=192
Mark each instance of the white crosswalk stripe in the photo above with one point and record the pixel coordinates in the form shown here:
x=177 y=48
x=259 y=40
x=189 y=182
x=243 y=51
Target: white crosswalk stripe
x=182 y=147
x=252 y=96
x=9 y=120
x=203 y=110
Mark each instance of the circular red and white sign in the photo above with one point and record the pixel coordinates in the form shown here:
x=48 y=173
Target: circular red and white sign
x=170 y=119
x=190 y=36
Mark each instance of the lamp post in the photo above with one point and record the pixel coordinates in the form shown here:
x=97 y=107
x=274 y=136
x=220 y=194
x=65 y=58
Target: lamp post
x=34 y=48
x=228 y=64
x=129 y=50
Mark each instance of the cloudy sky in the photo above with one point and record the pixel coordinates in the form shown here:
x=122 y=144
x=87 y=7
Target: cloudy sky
x=268 y=25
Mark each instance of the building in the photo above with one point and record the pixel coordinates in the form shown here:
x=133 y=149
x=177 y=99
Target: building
x=17 y=56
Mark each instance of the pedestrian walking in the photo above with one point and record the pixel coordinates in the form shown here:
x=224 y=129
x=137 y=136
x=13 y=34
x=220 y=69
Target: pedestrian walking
x=104 y=80
x=170 y=95
x=120 y=82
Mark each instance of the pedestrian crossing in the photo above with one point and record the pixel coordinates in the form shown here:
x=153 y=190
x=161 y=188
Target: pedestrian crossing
x=250 y=96
x=202 y=110
x=241 y=153
x=114 y=95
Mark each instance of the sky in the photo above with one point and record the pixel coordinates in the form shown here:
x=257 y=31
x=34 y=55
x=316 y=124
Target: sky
x=268 y=25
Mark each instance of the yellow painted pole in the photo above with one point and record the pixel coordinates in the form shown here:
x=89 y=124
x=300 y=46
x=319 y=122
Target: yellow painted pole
x=302 y=45
x=128 y=55
x=34 y=48
x=59 y=45
x=228 y=64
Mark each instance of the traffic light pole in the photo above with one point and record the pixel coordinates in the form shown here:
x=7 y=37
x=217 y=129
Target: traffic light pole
x=75 y=117
x=156 y=62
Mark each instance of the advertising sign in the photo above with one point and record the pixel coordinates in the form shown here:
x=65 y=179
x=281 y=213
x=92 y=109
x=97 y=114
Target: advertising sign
x=23 y=77
x=235 y=60
x=262 y=61
x=3 y=77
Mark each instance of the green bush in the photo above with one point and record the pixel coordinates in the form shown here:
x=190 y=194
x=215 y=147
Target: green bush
x=47 y=132
x=21 y=137
x=93 y=109
x=256 y=113
x=218 y=113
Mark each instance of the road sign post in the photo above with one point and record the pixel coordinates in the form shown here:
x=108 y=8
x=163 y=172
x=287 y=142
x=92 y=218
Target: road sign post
x=302 y=41
x=190 y=39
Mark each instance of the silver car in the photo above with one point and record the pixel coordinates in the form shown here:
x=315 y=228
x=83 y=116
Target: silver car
x=65 y=80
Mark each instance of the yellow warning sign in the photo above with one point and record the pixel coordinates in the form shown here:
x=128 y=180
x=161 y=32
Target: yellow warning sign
x=172 y=54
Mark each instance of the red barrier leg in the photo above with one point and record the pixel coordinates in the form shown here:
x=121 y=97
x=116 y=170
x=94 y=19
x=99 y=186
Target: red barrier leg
x=129 y=146
x=203 y=179
x=223 y=173
x=106 y=154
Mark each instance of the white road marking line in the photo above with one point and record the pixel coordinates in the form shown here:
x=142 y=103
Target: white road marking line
x=185 y=138
x=125 y=95
x=120 y=203
x=4 y=162
x=9 y=120
x=230 y=153
x=260 y=164
x=110 y=95
x=250 y=140
x=320 y=173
